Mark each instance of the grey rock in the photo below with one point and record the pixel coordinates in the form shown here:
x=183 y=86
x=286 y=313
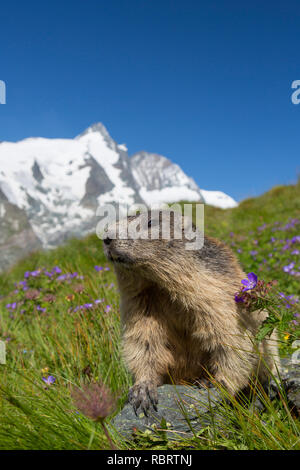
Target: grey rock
x=96 y=184
x=36 y=171
x=290 y=375
x=183 y=408
x=180 y=409
x=17 y=238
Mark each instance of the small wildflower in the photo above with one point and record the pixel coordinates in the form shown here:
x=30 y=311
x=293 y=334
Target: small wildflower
x=94 y=401
x=79 y=288
x=251 y=282
x=70 y=297
x=49 y=298
x=41 y=309
x=98 y=268
x=45 y=370
x=32 y=294
x=49 y=380
x=56 y=270
x=286 y=337
x=238 y=298
x=288 y=268
x=87 y=305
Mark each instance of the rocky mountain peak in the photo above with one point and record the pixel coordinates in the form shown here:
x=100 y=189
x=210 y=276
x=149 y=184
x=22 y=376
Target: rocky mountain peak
x=54 y=186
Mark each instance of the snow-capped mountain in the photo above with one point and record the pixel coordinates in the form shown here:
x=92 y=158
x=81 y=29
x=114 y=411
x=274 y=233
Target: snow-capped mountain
x=61 y=182
x=50 y=188
x=160 y=180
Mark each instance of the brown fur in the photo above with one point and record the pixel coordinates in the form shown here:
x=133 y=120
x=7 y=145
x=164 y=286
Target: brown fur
x=180 y=320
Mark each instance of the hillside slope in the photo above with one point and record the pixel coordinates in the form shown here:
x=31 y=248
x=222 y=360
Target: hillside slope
x=59 y=316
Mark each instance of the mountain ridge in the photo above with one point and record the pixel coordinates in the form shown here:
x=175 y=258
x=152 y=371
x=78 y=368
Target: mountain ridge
x=59 y=183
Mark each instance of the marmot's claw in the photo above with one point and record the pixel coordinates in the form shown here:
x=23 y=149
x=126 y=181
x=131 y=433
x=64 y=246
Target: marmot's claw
x=152 y=394
x=143 y=395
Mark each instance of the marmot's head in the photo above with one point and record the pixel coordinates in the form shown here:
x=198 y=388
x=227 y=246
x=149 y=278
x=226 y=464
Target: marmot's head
x=152 y=241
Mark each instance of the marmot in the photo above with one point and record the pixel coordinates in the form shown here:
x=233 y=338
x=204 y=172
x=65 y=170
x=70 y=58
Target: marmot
x=179 y=316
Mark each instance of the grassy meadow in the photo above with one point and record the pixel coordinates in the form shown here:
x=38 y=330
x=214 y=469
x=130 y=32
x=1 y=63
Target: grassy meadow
x=59 y=317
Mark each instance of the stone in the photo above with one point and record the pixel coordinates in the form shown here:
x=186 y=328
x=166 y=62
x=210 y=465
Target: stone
x=290 y=375
x=178 y=406
x=182 y=408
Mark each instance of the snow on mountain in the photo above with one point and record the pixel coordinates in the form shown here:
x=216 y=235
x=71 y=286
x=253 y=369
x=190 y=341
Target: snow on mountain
x=160 y=180
x=53 y=186
x=61 y=182
x=218 y=199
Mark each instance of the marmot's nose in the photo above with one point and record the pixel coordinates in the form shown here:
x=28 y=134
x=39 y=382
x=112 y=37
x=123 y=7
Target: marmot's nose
x=107 y=241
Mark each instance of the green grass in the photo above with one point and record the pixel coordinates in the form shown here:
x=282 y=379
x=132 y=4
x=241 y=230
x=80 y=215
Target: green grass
x=62 y=342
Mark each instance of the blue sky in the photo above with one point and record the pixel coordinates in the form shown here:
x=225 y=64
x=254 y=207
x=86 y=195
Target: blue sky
x=205 y=83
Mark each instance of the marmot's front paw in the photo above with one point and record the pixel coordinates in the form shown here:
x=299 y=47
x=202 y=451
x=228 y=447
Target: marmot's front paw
x=143 y=395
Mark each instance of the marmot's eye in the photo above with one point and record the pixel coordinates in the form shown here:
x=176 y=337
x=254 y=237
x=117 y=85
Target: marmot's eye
x=149 y=223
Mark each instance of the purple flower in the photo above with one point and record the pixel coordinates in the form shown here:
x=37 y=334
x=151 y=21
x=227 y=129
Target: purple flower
x=49 y=380
x=296 y=239
x=40 y=309
x=11 y=306
x=98 y=268
x=251 y=282
x=289 y=267
x=253 y=252
x=23 y=284
x=48 y=274
x=35 y=273
x=295 y=252
x=237 y=298
x=56 y=270
x=107 y=308
x=88 y=305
